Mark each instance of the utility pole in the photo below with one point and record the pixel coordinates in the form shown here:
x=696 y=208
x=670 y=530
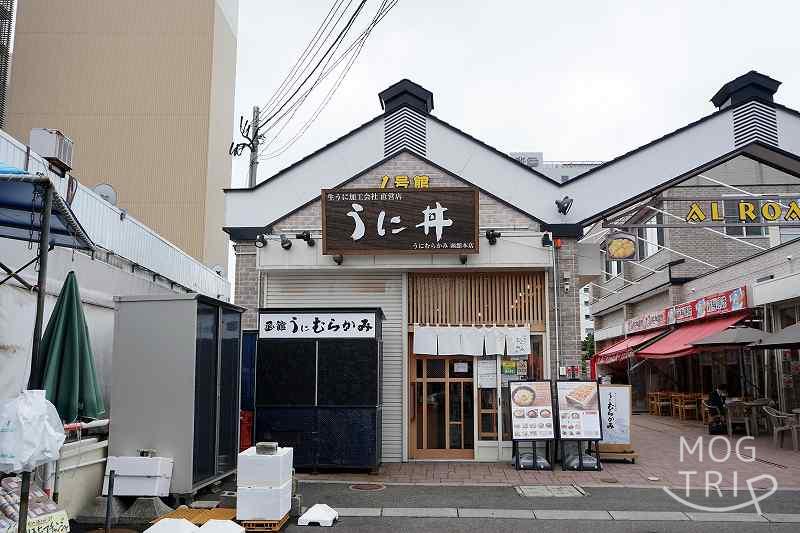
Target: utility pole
x=251 y=182
x=250 y=131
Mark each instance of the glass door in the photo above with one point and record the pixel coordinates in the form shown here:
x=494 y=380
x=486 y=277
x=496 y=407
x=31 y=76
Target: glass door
x=442 y=415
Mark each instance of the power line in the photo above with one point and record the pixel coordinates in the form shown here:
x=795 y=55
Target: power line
x=339 y=37
x=355 y=47
x=295 y=71
x=379 y=15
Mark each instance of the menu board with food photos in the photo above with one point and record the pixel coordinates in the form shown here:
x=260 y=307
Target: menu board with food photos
x=578 y=410
x=532 y=410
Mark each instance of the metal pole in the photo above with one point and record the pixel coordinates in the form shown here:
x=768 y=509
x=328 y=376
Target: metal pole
x=34 y=381
x=254 y=127
x=108 y=499
x=25 y=491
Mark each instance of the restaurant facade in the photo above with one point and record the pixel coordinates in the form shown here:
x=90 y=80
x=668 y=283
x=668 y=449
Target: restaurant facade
x=473 y=259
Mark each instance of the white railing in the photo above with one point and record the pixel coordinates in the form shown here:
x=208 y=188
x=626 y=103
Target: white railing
x=126 y=237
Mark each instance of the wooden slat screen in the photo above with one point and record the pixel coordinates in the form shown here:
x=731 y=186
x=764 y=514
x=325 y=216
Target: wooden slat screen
x=477 y=298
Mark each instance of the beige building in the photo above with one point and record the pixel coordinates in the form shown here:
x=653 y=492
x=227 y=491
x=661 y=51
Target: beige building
x=146 y=91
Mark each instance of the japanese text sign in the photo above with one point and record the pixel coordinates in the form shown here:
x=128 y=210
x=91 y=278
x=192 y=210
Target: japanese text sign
x=377 y=221
x=708 y=306
x=303 y=325
x=615 y=413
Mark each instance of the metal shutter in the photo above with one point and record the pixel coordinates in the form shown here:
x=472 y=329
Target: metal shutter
x=357 y=289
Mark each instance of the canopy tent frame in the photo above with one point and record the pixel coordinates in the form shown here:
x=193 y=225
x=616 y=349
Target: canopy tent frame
x=40 y=185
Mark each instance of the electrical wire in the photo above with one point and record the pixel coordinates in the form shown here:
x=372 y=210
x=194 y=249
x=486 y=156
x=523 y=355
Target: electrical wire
x=353 y=51
x=291 y=109
x=339 y=37
x=314 y=45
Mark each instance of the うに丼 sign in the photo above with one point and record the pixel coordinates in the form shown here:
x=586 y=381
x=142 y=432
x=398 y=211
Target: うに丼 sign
x=377 y=221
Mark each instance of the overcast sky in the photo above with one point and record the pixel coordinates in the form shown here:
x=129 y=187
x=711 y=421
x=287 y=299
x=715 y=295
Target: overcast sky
x=580 y=80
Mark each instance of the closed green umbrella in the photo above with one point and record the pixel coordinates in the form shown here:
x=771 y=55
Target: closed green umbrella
x=69 y=376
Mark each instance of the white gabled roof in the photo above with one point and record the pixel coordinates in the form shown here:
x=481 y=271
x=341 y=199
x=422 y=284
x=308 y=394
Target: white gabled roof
x=615 y=184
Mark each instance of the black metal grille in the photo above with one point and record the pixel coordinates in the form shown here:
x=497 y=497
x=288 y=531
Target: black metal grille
x=286 y=373
x=348 y=372
x=6 y=27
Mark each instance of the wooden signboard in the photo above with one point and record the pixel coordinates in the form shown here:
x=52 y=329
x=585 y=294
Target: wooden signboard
x=377 y=221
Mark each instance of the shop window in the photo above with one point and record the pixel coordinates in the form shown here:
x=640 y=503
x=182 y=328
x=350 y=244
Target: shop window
x=512 y=368
x=612 y=269
x=789 y=233
x=651 y=240
x=738 y=228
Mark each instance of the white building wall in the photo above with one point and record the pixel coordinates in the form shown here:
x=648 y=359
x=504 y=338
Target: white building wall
x=356 y=289
x=99 y=282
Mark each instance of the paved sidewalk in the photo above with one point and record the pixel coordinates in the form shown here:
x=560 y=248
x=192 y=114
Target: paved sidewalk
x=656 y=439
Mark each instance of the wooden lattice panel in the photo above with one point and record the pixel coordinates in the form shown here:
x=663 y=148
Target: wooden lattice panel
x=477 y=298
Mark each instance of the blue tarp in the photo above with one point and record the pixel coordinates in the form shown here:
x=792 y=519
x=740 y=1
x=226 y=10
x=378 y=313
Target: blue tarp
x=21 y=205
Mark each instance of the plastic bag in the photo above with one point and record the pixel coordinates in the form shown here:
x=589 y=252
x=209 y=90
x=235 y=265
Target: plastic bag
x=31 y=432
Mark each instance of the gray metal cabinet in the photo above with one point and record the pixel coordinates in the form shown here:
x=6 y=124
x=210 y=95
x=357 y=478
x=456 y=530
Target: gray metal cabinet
x=175 y=387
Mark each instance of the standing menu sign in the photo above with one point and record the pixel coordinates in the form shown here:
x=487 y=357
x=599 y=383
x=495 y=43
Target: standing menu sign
x=615 y=413
x=532 y=410
x=579 y=410
x=374 y=221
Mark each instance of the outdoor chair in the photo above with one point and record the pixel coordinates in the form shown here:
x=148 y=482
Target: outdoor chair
x=781 y=423
x=706 y=410
x=663 y=403
x=652 y=403
x=737 y=414
x=676 y=399
x=709 y=412
x=688 y=403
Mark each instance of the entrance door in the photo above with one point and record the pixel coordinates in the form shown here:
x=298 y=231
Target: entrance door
x=442 y=413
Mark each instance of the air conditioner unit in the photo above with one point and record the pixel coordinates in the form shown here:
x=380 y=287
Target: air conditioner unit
x=53 y=146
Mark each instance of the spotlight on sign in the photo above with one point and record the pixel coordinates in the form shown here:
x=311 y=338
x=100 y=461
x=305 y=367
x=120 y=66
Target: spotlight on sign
x=306 y=236
x=285 y=242
x=261 y=241
x=564 y=205
x=463 y=259
x=492 y=236
x=338 y=259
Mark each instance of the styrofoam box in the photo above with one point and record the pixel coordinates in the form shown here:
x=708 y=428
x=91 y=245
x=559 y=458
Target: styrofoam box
x=255 y=470
x=139 y=476
x=263 y=503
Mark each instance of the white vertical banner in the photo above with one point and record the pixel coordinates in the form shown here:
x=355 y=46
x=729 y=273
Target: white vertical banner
x=615 y=413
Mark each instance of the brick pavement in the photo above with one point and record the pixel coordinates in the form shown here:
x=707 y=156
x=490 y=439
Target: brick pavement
x=656 y=439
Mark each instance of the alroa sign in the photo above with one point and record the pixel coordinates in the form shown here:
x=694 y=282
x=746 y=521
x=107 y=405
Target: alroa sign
x=376 y=221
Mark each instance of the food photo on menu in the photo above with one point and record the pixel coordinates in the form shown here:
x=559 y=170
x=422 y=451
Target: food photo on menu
x=578 y=410
x=532 y=410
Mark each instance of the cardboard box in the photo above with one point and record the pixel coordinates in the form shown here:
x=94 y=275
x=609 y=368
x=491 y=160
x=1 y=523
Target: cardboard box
x=263 y=503
x=139 y=476
x=255 y=470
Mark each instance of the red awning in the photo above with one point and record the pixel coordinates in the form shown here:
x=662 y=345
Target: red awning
x=619 y=351
x=677 y=343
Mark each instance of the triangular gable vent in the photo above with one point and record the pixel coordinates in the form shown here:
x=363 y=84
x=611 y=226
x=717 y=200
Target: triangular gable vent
x=405 y=129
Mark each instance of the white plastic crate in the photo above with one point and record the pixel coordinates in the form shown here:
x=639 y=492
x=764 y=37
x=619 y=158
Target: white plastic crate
x=139 y=476
x=255 y=470
x=263 y=503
